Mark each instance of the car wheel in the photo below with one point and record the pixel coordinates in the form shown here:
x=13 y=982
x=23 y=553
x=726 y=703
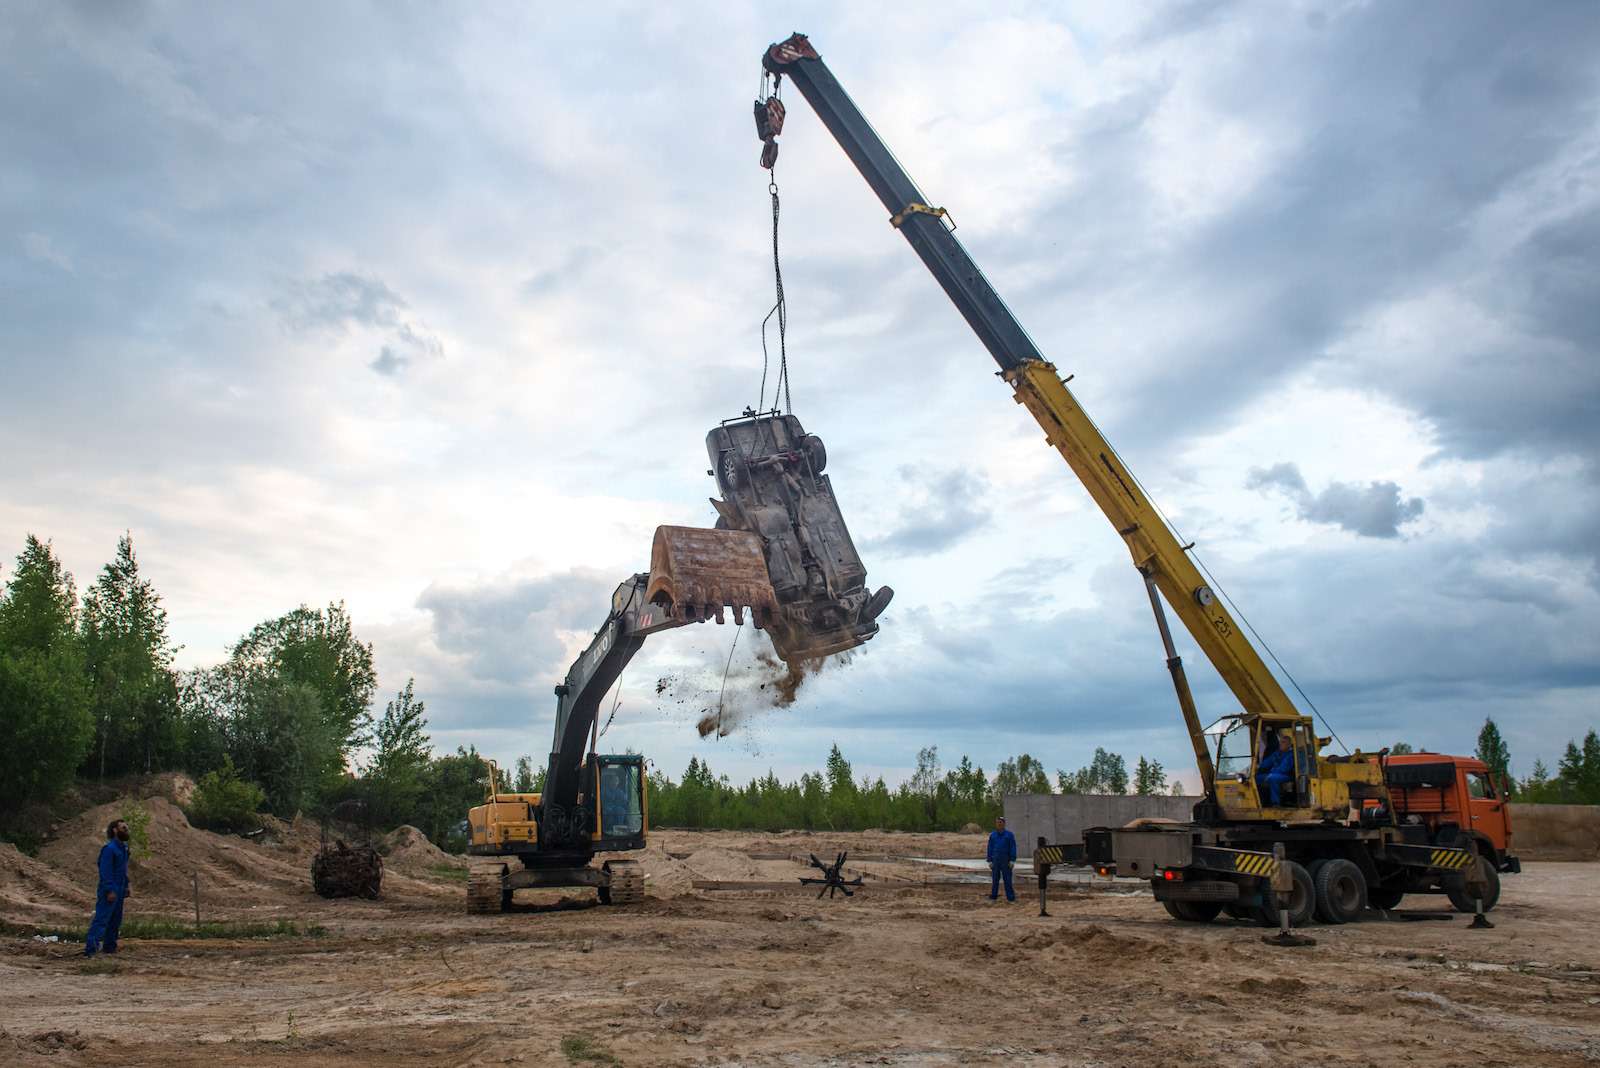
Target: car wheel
x=816 y=452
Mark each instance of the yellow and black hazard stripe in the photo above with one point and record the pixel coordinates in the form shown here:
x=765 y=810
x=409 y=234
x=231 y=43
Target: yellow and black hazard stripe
x=1264 y=865
x=1451 y=859
x=1047 y=855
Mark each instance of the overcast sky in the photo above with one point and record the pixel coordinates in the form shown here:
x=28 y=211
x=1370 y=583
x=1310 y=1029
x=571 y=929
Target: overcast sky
x=428 y=309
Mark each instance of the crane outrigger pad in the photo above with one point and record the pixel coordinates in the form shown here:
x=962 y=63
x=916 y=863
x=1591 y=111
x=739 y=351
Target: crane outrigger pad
x=695 y=572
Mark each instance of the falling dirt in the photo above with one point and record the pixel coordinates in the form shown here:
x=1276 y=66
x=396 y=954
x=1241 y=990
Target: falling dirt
x=756 y=685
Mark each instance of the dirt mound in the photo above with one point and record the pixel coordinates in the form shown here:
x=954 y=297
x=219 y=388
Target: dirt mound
x=410 y=851
x=663 y=876
x=31 y=890
x=714 y=863
x=273 y=870
x=971 y=828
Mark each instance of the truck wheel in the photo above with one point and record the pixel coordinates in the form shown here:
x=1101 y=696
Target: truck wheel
x=1385 y=897
x=1193 y=911
x=1302 y=900
x=1455 y=887
x=1341 y=891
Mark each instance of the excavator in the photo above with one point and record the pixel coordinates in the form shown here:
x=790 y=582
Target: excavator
x=781 y=551
x=1323 y=841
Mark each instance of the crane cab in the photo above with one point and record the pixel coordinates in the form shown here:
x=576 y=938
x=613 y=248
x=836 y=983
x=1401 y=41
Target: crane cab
x=1272 y=768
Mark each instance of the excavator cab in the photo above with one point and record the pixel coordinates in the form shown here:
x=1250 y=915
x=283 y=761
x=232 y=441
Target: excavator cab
x=622 y=814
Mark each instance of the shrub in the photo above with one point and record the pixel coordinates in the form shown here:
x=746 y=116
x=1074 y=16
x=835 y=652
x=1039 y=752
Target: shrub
x=224 y=802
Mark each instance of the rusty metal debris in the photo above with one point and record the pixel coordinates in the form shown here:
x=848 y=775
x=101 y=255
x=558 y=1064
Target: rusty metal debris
x=339 y=870
x=832 y=877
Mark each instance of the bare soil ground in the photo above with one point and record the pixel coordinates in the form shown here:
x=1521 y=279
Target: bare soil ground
x=910 y=971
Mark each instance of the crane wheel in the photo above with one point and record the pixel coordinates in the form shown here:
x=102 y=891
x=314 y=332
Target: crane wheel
x=1341 y=891
x=626 y=885
x=1302 y=899
x=486 y=887
x=1193 y=911
x=1455 y=887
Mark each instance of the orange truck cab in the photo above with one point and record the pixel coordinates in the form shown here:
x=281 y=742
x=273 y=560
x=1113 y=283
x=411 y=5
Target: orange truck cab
x=1454 y=797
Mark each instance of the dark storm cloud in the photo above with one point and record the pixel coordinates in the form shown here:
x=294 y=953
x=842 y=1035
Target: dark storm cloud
x=1390 y=129
x=947 y=507
x=1375 y=510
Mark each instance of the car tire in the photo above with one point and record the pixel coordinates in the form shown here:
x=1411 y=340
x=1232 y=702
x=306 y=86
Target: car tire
x=1341 y=891
x=816 y=452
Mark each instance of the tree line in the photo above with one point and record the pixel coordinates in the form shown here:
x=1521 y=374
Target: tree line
x=284 y=724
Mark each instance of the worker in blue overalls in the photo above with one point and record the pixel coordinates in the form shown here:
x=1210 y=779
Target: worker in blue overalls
x=1002 y=854
x=111 y=891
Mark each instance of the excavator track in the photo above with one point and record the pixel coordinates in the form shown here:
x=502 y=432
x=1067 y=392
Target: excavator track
x=486 y=886
x=627 y=883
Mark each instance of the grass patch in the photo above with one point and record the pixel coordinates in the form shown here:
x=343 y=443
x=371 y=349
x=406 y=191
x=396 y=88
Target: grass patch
x=98 y=967
x=581 y=1049
x=449 y=871
x=167 y=928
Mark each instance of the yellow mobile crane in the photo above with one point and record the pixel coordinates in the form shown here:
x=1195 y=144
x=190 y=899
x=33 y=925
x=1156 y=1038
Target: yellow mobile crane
x=1329 y=841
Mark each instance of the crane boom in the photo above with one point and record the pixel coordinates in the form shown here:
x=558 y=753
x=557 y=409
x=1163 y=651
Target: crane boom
x=1157 y=553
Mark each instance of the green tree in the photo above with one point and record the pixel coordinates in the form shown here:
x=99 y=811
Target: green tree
x=129 y=658
x=1401 y=749
x=840 y=785
x=1149 y=778
x=45 y=725
x=1107 y=773
x=318 y=649
x=452 y=784
x=529 y=780
x=224 y=802
x=401 y=749
x=1024 y=775
x=1493 y=751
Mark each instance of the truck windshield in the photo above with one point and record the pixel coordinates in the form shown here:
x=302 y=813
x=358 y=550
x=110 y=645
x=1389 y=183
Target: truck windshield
x=621 y=815
x=1233 y=751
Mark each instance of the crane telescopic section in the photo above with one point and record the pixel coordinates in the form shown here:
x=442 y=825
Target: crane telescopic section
x=1168 y=570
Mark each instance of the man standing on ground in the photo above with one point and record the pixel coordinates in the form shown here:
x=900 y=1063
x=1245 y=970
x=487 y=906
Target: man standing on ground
x=111 y=891
x=1002 y=854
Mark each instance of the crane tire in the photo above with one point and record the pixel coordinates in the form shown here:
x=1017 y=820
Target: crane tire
x=1341 y=891
x=1455 y=887
x=1302 y=900
x=1193 y=911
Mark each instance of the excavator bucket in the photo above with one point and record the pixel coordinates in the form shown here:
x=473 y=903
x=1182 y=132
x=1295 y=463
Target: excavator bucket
x=696 y=572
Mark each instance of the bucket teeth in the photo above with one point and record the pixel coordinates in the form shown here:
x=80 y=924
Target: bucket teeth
x=696 y=573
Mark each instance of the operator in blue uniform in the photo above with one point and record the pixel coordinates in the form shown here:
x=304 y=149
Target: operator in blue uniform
x=1277 y=768
x=111 y=891
x=1002 y=854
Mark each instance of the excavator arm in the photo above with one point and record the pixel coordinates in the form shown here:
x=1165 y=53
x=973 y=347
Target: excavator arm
x=1157 y=553
x=694 y=574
